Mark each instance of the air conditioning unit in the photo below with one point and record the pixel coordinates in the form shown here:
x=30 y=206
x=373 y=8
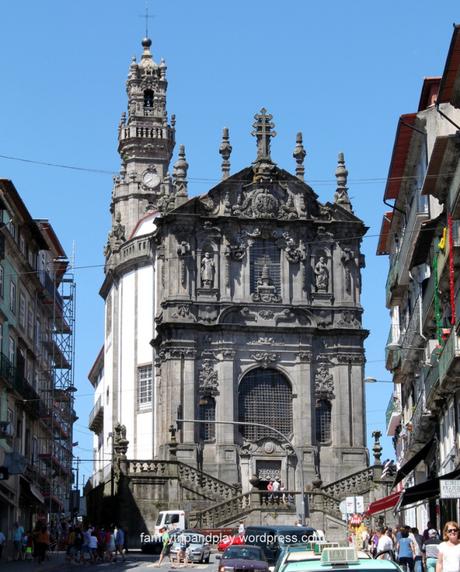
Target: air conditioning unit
x=6 y=429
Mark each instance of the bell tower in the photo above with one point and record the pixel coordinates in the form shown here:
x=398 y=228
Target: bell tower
x=145 y=143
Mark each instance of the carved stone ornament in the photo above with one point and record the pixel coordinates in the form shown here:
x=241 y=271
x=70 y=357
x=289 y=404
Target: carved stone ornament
x=266 y=314
x=262 y=341
x=208 y=379
x=265 y=289
x=236 y=251
x=304 y=356
x=263 y=202
x=265 y=359
x=324 y=382
x=120 y=443
x=183 y=250
x=321 y=275
x=348 y=320
x=183 y=311
x=351 y=358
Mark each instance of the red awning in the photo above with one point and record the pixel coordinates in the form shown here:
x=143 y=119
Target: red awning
x=383 y=504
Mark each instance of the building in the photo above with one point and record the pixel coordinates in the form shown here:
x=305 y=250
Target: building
x=36 y=373
x=239 y=306
x=420 y=235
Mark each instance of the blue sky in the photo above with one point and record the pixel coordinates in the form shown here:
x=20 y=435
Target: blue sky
x=340 y=72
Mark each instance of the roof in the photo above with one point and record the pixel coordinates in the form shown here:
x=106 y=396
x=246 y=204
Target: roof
x=9 y=194
x=95 y=368
x=449 y=89
x=401 y=147
x=429 y=94
x=382 y=246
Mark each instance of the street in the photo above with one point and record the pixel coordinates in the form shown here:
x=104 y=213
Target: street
x=135 y=560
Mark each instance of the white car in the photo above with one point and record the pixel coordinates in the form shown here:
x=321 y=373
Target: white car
x=197 y=549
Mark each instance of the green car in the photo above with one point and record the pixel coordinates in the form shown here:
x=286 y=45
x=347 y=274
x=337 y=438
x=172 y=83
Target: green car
x=341 y=559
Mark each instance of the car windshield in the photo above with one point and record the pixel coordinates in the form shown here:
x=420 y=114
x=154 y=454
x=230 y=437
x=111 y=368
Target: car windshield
x=246 y=553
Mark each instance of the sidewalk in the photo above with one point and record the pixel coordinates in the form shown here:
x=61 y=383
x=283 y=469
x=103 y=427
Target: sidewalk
x=56 y=560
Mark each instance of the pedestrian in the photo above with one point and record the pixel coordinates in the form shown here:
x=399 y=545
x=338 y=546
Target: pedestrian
x=166 y=545
x=110 y=544
x=418 y=543
x=270 y=490
x=430 y=525
x=241 y=528
x=42 y=543
x=275 y=488
x=430 y=550
x=385 y=548
x=120 y=542
x=449 y=550
x=2 y=542
x=93 y=546
x=18 y=533
x=406 y=551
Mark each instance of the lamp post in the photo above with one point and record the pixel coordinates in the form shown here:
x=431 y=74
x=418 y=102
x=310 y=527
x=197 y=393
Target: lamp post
x=288 y=441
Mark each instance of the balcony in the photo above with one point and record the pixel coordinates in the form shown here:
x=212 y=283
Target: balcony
x=427 y=301
x=449 y=362
x=96 y=417
x=393 y=415
x=417 y=215
x=421 y=425
x=390 y=289
x=392 y=356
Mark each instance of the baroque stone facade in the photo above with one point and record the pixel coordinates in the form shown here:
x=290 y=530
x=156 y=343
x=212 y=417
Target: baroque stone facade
x=251 y=295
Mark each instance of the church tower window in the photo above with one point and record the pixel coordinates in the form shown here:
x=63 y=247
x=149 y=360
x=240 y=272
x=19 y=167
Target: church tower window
x=144 y=387
x=265 y=396
x=208 y=413
x=148 y=98
x=323 y=421
x=265 y=254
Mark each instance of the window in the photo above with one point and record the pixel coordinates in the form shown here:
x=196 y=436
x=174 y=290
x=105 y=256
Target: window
x=13 y=297
x=22 y=310
x=207 y=413
x=264 y=253
x=148 y=98
x=22 y=244
x=38 y=334
x=265 y=396
x=11 y=350
x=108 y=316
x=2 y=288
x=144 y=387
x=323 y=421
x=30 y=321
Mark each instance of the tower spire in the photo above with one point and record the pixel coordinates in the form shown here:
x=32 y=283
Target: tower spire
x=341 y=195
x=299 y=156
x=225 y=150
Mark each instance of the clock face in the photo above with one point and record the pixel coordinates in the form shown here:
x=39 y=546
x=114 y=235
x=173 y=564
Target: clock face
x=150 y=179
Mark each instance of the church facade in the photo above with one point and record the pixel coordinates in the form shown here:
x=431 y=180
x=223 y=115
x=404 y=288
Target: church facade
x=239 y=309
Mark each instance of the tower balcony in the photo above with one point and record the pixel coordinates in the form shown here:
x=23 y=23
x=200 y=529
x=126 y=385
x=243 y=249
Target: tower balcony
x=393 y=415
x=96 y=417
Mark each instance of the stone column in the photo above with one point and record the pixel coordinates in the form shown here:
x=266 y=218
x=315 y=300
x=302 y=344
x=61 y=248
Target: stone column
x=188 y=395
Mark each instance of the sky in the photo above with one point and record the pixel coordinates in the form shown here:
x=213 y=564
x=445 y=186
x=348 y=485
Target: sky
x=340 y=72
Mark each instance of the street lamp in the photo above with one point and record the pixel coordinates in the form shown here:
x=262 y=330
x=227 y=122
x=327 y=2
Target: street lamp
x=375 y=380
x=288 y=441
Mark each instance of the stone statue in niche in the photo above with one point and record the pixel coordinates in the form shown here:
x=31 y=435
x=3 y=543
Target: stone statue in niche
x=348 y=262
x=321 y=274
x=207 y=270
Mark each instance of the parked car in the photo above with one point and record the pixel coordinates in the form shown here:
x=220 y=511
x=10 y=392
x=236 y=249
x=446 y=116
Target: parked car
x=272 y=539
x=230 y=540
x=243 y=557
x=197 y=549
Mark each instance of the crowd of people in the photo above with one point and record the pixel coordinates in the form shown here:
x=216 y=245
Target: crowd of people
x=83 y=545
x=416 y=552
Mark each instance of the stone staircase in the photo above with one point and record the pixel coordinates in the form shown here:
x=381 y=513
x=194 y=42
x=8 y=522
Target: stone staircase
x=357 y=483
x=189 y=478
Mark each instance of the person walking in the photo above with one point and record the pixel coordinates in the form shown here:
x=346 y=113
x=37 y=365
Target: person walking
x=418 y=543
x=120 y=542
x=406 y=551
x=385 y=545
x=449 y=550
x=18 y=533
x=2 y=542
x=430 y=550
x=166 y=545
x=42 y=543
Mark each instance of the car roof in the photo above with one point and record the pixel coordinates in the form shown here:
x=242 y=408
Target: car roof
x=360 y=564
x=242 y=546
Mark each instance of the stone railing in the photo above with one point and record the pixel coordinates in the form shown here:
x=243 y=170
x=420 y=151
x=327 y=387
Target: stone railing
x=239 y=506
x=356 y=483
x=189 y=478
x=202 y=482
x=134 y=248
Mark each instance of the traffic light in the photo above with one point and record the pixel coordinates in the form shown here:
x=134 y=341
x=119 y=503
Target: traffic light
x=4 y=474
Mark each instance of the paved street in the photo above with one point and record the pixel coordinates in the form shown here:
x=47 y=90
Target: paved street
x=135 y=560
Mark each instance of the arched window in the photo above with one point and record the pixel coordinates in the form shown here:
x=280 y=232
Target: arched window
x=323 y=421
x=207 y=413
x=148 y=98
x=265 y=396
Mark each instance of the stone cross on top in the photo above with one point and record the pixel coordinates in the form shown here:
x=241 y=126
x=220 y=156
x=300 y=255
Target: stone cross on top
x=263 y=132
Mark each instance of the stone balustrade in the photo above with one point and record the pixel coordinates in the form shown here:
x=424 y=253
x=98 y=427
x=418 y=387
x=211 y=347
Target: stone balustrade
x=356 y=483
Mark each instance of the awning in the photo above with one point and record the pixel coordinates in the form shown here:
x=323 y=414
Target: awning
x=424 y=491
x=412 y=463
x=384 y=503
x=37 y=494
